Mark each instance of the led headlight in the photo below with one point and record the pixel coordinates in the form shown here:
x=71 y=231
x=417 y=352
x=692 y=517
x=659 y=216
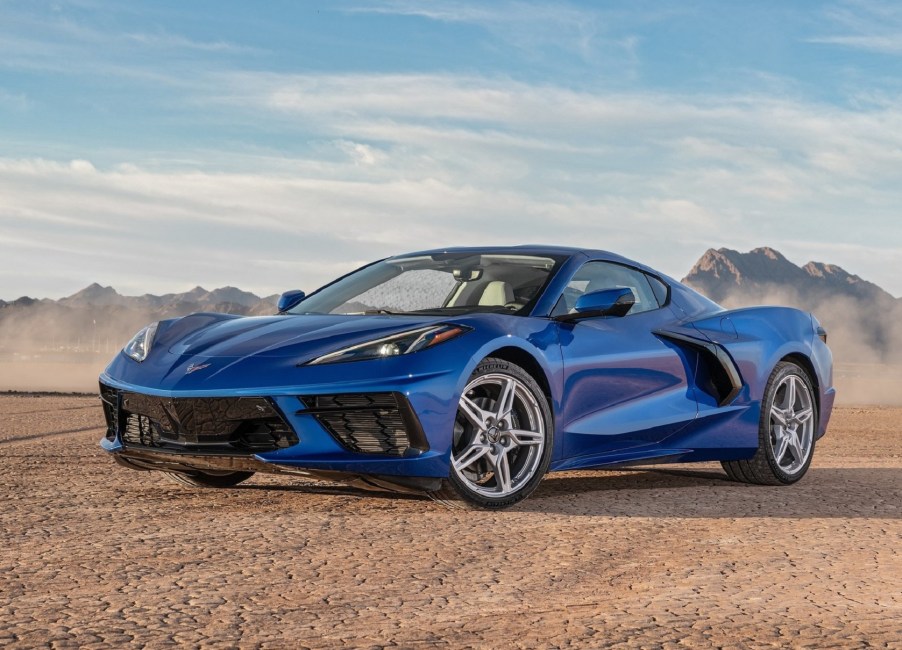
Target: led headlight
x=390 y=346
x=139 y=347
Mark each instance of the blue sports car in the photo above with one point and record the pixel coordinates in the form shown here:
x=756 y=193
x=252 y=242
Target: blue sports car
x=468 y=373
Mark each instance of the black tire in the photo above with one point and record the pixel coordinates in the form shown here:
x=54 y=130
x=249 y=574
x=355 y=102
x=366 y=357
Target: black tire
x=763 y=468
x=205 y=480
x=454 y=488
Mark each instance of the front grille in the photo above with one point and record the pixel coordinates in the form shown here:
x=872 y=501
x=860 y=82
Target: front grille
x=368 y=423
x=214 y=425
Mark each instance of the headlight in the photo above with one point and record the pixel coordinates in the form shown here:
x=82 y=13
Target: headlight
x=139 y=347
x=391 y=346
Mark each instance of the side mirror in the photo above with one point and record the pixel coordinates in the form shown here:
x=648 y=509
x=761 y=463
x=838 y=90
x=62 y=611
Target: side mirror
x=607 y=302
x=290 y=299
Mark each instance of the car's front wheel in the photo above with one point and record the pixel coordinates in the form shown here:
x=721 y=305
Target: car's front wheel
x=787 y=431
x=209 y=479
x=502 y=439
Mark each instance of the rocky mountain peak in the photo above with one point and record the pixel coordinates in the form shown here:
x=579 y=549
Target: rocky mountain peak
x=94 y=295
x=722 y=273
x=769 y=253
x=719 y=272
x=196 y=292
x=718 y=263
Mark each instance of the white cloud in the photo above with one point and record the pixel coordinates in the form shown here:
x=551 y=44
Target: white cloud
x=872 y=25
x=887 y=44
x=166 y=40
x=82 y=166
x=362 y=154
x=403 y=162
x=33 y=39
x=526 y=25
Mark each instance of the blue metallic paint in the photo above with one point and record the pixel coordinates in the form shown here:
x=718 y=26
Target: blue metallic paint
x=618 y=392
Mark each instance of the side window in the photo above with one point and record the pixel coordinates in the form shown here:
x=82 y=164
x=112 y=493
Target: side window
x=660 y=289
x=597 y=276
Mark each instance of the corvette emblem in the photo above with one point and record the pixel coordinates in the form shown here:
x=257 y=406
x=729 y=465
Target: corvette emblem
x=194 y=367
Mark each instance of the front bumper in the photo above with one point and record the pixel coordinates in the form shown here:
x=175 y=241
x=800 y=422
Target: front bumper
x=309 y=430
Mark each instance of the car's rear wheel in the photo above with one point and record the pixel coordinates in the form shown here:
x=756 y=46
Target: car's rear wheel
x=502 y=439
x=787 y=431
x=209 y=479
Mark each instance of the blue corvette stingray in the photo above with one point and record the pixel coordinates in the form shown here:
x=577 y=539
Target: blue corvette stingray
x=469 y=373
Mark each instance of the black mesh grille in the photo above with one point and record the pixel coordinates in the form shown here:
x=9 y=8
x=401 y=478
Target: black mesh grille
x=198 y=425
x=139 y=430
x=368 y=423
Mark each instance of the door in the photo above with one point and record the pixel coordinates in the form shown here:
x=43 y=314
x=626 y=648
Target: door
x=624 y=388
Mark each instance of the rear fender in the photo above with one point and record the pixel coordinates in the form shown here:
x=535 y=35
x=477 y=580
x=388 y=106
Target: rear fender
x=758 y=338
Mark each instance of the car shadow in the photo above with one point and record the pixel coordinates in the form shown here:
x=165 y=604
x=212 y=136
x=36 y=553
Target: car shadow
x=331 y=490
x=823 y=493
x=680 y=493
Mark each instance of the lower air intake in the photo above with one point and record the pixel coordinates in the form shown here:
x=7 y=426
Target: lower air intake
x=368 y=423
x=209 y=425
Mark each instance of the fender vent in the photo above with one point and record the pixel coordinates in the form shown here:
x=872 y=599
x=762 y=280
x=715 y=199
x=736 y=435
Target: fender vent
x=717 y=374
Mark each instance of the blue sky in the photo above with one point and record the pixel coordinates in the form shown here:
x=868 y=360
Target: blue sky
x=159 y=145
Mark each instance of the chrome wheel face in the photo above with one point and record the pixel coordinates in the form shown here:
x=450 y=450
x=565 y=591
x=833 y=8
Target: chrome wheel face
x=792 y=424
x=499 y=435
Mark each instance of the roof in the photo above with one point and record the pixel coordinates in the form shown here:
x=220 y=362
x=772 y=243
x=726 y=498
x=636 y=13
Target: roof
x=525 y=249
x=544 y=249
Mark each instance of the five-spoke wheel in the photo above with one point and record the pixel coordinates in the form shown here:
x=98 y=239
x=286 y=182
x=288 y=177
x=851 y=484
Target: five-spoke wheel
x=501 y=443
x=788 y=427
x=792 y=424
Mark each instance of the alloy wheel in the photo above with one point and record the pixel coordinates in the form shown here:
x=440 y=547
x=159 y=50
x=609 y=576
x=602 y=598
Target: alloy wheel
x=499 y=435
x=792 y=424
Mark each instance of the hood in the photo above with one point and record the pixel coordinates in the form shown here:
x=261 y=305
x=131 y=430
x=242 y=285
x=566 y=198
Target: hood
x=299 y=336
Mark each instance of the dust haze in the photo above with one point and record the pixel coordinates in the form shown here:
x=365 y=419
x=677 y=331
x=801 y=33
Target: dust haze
x=864 y=335
x=50 y=348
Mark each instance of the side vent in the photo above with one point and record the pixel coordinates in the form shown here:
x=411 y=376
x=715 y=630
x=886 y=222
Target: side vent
x=718 y=375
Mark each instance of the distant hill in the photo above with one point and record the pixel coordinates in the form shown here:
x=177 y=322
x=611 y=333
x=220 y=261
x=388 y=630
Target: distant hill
x=100 y=319
x=225 y=299
x=864 y=321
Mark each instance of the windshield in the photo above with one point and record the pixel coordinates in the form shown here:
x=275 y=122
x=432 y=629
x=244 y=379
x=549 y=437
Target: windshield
x=441 y=283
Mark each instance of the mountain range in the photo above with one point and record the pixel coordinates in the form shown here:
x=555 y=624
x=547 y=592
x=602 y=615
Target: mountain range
x=863 y=320
x=226 y=299
x=724 y=273
x=98 y=319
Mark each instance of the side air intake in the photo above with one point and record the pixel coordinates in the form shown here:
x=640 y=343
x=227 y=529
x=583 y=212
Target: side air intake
x=719 y=376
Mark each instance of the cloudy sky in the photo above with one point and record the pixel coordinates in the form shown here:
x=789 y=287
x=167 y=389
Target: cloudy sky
x=158 y=145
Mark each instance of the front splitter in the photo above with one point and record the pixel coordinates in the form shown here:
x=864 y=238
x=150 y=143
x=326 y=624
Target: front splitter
x=150 y=460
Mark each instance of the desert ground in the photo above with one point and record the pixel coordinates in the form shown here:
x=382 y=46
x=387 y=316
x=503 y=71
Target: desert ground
x=92 y=555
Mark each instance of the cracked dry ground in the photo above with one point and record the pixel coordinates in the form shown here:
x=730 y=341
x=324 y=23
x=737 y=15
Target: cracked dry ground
x=95 y=555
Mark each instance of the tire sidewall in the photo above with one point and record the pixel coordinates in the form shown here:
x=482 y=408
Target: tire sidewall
x=489 y=366
x=783 y=370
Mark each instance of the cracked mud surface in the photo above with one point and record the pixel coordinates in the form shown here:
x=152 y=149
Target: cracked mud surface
x=94 y=555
